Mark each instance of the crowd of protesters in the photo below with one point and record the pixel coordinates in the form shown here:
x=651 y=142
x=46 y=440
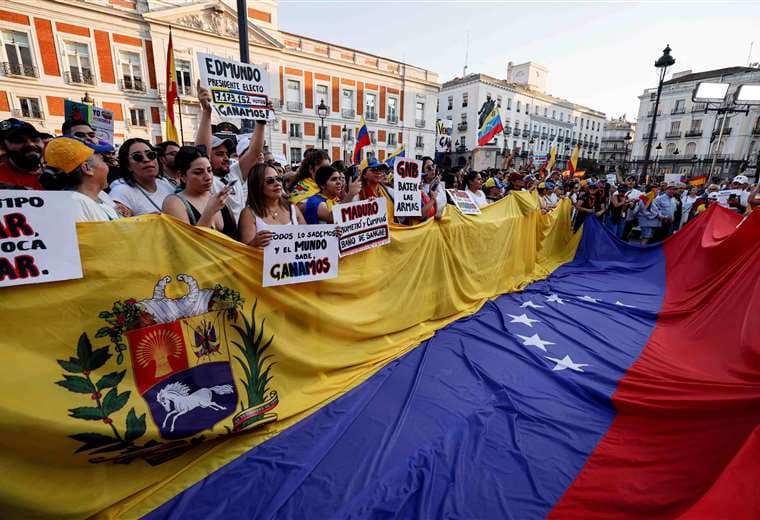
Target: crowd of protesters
x=234 y=185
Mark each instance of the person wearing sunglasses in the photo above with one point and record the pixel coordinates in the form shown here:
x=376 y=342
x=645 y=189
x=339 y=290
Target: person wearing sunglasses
x=195 y=204
x=141 y=190
x=266 y=205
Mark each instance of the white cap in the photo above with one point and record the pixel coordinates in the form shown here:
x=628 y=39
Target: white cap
x=242 y=144
x=741 y=179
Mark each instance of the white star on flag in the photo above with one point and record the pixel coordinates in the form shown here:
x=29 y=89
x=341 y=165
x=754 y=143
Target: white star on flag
x=621 y=304
x=566 y=362
x=556 y=299
x=590 y=299
x=522 y=318
x=535 y=341
x=532 y=305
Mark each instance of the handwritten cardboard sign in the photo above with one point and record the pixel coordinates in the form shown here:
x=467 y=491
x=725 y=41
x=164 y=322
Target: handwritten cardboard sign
x=238 y=90
x=364 y=225
x=299 y=254
x=464 y=202
x=407 y=199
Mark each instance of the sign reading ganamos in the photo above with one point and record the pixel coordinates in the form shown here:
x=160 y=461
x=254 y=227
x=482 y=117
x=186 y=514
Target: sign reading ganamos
x=300 y=254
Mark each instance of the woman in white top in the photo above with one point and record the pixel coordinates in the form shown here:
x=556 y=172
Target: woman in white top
x=474 y=183
x=79 y=166
x=265 y=206
x=140 y=191
x=688 y=201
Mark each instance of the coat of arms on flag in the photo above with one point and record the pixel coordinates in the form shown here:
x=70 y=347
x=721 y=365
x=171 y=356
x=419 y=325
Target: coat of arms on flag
x=181 y=352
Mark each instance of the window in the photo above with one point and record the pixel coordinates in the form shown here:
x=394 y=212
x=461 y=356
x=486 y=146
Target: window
x=463 y=142
x=518 y=105
x=680 y=106
x=509 y=103
x=546 y=111
x=347 y=103
x=184 y=80
x=392 y=139
x=137 y=116
x=392 y=109
x=18 y=54
x=587 y=122
x=675 y=126
x=131 y=71
x=293 y=96
x=691 y=150
x=372 y=138
x=295 y=130
x=527 y=108
x=349 y=134
x=670 y=148
x=370 y=104
x=323 y=94
x=554 y=114
x=30 y=108
x=465 y=99
x=561 y=116
x=419 y=114
x=78 y=58
x=464 y=117
x=322 y=133
x=696 y=125
x=295 y=155
x=450 y=103
x=498 y=101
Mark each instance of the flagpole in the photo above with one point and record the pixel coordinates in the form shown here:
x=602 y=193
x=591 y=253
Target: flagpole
x=181 y=129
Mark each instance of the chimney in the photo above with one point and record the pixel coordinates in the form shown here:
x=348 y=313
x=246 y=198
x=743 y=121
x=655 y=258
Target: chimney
x=509 y=71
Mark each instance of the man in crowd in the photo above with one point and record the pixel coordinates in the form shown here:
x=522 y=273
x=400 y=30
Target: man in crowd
x=22 y=148
x=664 y=206
x=167 y=151
x=82 y=130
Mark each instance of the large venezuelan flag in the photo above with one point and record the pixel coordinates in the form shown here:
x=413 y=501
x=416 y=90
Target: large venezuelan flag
x=624 y=384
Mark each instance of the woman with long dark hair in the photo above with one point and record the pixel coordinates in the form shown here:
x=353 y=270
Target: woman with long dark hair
x=319 y=206
x=195 y=204
x=305 y=185
x=265 y=206
x=141 y=190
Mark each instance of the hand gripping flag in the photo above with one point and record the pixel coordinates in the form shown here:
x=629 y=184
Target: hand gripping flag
x=362 y=140
x=171 y=92
x=490 y=122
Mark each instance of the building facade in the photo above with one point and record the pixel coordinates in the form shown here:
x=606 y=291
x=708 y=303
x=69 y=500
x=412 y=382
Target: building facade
x=114 y=52
x=618 y=135
x=531 y=118
x=687 y=134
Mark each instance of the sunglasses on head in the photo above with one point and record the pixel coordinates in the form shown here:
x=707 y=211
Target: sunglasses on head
x=272 y=180
x=141 y=156
x=84 y=135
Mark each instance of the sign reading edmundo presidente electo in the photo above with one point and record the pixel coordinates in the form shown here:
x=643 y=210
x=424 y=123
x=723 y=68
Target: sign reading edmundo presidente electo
x=238 y=90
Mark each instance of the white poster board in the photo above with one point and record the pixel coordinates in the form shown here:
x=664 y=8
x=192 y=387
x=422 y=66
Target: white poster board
x=611 y=178
x=38 y=237
x=464 y=202
x=102 y=122
x=364 y=225
x=672 y=178
x=299 y=254
x=407 y=198
x=238 y=90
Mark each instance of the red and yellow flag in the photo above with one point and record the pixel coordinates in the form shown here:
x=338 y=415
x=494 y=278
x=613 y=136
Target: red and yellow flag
x=698 y=181
x=171 y=92
x=573 y=164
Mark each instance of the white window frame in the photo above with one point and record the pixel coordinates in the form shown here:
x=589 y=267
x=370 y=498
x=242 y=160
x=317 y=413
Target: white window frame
x=392 y=139
x=297 y=127
x=19 y=99
x=465 y=99
x=132 y=119
x=395 y=110
x=450 y=103
x=119 y=66
x=367 y=96
x=70 y=39
x=189 y=87
x=292 y=155
x=352 y=105
x=30 y=40
x=318 y=98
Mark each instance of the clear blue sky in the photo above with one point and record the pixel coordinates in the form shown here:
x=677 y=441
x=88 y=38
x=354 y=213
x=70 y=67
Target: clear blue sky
x=599 y=54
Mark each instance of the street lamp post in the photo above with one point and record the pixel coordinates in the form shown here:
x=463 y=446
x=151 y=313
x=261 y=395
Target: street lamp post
x=322 y=113
x=627 y=140
x=88 y=99
x=675 y=158
x=344 y=133
x=530 y=145
x=665 y=61
x=656 y=157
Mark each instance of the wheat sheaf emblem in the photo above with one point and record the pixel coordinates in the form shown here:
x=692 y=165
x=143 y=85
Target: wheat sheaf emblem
x=157 y=347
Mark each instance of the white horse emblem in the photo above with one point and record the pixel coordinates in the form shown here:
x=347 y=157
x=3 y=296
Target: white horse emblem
x=178 y=394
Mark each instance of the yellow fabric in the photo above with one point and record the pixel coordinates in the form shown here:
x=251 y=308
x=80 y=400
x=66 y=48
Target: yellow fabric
x=171 y=93
x=303 y=190
x=328 y=337
x=574 y=158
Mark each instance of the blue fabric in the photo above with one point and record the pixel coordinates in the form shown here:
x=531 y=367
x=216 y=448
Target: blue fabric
x=472 y=423
x=311 y=215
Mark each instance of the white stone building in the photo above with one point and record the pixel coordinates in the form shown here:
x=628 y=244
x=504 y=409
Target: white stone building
x=115 y=52
x=527 y=113
x=615 y=149
x=688 y=136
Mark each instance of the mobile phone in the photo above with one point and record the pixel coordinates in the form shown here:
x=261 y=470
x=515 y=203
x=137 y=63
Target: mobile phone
x=231 y=183
x=434 y=186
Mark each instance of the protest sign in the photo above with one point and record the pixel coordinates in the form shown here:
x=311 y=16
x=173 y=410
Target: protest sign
x=407 y=200
x=238 y=90
x=612 y=178
x=300 y=254
x=724 y=195
x=364 y=225
x=101 y=121
x=464 y=202
x=672 y=178
x=38 y=238
x=75 y=111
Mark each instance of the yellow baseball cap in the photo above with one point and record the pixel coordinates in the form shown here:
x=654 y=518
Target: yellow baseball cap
x=490 y=183
x=66 y=154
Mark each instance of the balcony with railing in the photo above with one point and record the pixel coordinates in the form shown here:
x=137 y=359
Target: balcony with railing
x=419 y=123
x=419 y=144
x=694 y=133
x=20 y=70
x=517 y=132
x=646 y=136
x=544 y=136
x=726 y=131
x=535 y=134
x=348 y=113
x=508 y=130
x=132 y=84
x=678 y=110
x=297 y=136
x=462 y=148
x=370 y=116
x=651 y=113
x=33 y=114
x=699 y=107
x=79 y=77
x=673 y=135
x=392 y=119
x=462 y=126
x=294 y=106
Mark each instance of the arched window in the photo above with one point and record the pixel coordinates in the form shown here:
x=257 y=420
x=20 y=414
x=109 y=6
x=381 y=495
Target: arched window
x=691 y=149
x=670 y=148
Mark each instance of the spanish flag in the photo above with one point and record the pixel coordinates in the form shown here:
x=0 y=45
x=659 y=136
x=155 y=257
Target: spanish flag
x=573 y=164
x=171 y=92
x=698 y=181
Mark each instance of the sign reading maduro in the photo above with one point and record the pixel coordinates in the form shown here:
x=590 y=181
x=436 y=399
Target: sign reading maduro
x=237 y=89
x=364 y=225
x=300 y=254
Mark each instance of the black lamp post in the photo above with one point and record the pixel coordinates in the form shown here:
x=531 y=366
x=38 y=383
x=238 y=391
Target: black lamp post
x=675 y=157
x=344 y=133
x=627 y=140
x=530 y=145
x=87 y=99
x=665 y=61
x=322 y=113
x=656 y=157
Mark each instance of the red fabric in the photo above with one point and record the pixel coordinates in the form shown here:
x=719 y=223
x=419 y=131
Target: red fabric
x=11 y=176
x=684 y=441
